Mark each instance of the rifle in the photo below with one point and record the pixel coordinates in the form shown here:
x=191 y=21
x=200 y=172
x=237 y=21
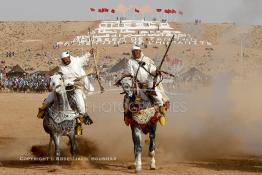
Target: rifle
x=162 y=61
x=96 y=68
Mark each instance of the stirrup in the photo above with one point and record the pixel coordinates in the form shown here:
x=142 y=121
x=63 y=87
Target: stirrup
x=78 y=129
x=162 y=120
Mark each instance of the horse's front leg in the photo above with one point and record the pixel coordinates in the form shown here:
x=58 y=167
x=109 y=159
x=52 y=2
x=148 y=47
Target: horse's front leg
x=57 y=148
x=72 y=143
x=50 y=146
x=152 y=147
x=136 y=135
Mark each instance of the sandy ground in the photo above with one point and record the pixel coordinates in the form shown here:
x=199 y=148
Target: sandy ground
x=194 y=141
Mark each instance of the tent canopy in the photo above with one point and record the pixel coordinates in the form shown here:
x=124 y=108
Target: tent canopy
x=17 y=70
x=119 y=66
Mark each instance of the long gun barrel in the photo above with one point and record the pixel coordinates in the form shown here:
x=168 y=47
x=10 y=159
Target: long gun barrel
x=162 y=61
x=96 y=68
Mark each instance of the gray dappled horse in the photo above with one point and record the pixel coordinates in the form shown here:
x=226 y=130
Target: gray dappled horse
x=60 y=119
x=146 y=123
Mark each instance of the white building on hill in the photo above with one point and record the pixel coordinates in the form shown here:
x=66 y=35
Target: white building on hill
x=135 y=32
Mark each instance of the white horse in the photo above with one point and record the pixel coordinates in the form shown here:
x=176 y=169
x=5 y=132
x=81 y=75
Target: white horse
x=60 y=119
x=141 y=116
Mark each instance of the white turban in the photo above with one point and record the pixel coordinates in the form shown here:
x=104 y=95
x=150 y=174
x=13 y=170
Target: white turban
x=136 y=47
x=65 y=54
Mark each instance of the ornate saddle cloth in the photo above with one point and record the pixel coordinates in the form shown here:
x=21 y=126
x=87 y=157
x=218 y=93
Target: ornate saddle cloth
x=145 y=119
x=143 y=116
x=60 y=116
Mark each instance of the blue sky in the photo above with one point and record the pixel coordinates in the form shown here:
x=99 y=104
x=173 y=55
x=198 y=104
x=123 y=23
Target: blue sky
x=239 y=11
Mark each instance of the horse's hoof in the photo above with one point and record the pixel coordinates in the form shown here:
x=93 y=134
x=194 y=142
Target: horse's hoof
x=138 y=168
x=153 y=167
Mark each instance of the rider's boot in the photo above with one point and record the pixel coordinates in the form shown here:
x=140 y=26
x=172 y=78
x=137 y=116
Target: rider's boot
x=162 y=118
x=41 y=111
x=79 y=121
x=78 y=127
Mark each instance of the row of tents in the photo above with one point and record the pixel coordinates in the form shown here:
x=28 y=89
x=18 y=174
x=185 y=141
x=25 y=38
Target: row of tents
x=192 y=74
x=18 y=71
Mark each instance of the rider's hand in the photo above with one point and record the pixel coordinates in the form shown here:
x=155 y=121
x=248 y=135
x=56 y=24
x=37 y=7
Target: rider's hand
x=142 y=63
x=87 y=120
x=158 y=72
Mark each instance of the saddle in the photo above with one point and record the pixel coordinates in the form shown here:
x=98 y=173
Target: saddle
x=61 y=116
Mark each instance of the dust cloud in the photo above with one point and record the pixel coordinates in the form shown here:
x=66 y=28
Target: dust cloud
x=221 y=120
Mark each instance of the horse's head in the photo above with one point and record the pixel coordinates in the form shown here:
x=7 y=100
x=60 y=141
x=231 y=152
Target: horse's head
x=56 y=83
x=127 y=85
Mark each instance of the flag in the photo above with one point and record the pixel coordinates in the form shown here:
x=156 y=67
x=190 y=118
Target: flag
x=113 y=11
x=103 y=10
x=158 y=10
x=92 y=9
x=173 y=11
x=167 y=11
x=136 y=10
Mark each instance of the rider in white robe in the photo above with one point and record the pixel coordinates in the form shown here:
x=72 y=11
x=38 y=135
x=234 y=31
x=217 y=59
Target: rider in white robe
x=74 y=74
x=145 y=75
